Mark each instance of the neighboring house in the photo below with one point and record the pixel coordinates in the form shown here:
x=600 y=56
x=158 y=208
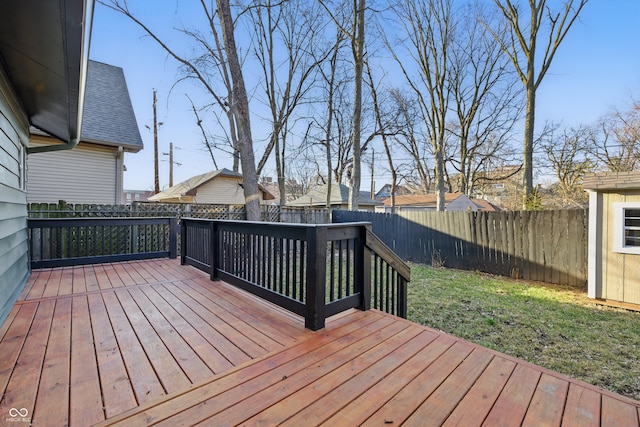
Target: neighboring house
x=92 y=172
x=130 y=196
x=385 y=192
x=614 y=237
x=501 y=186
x=44 y=48
x=317 y=197
x=428 y=202
x=221 y=187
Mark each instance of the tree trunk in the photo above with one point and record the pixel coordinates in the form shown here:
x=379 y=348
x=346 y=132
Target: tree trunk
x=240 y=108
x=529 y=126
x=440 y=202
x=358 y=53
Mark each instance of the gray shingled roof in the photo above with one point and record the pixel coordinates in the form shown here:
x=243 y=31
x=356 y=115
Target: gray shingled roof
x=317 y=196
x=108 y=114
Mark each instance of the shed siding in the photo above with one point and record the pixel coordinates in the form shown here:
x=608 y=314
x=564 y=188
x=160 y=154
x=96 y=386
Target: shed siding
x=620 y=272
x=86 y=174
x=222 y=191
x=14 y=258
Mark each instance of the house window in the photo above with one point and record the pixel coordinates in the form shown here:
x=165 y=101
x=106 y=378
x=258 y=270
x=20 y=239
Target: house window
x=627 y=228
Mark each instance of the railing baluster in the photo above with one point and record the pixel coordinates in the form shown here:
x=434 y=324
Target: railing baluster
x=340 y=269
x=332 y=272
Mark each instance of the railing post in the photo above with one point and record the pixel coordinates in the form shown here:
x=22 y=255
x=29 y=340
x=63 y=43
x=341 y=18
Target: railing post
x=402 y=298
x=173 y=238
x=183 y=241
x=316 y=279
x=214 y=251
x=363 y=268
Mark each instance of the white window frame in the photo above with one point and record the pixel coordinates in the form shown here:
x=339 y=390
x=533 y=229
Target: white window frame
x=22 y=167
x=619 y=245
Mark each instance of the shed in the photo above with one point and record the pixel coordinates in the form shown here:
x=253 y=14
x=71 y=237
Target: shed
x=614 y=238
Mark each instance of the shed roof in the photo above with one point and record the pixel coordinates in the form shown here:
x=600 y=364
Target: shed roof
x=611 y=181
x=109 y=118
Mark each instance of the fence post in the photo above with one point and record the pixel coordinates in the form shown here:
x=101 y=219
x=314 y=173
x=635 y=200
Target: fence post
x=173 y=238
x=215 y=251
x=363 y=267
x=314 y=318
x=183 y=241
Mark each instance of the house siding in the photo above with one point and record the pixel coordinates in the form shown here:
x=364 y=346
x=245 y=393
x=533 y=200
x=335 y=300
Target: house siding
x=14 y=256
x=221 y=191
x=88 y=173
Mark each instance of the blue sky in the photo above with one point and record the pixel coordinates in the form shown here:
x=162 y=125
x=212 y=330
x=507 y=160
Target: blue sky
x=596 y=68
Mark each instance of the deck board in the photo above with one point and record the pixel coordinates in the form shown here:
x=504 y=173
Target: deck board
x=53 y=391
x=118 y=395
x=153 y=342
x=22 y=386
x=85 y=394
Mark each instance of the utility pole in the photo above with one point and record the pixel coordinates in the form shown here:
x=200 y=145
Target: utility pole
x=170 y=153
x=156 y=187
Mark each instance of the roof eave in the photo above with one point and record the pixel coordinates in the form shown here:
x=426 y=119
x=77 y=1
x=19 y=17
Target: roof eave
x=48 y=67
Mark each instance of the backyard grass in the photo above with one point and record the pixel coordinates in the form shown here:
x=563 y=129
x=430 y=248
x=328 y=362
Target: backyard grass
x=555 y=327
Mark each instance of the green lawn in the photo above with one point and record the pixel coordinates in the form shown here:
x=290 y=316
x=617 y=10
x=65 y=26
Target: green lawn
x=552 y=326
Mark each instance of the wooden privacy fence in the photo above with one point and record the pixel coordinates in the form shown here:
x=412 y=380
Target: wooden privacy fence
x=548 y=246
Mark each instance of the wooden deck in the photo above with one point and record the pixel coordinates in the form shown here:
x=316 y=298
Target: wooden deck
x=153 y=342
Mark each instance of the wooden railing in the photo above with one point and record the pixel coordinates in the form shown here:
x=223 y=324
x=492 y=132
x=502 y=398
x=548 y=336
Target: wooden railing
x=77 y=241
x=315 y=271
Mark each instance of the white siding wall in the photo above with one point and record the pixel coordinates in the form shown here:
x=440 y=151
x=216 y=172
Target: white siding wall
x=14 y=257
x=86 y=174
x=221 y=190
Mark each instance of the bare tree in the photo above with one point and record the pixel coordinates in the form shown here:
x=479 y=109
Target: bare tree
x=286 y=34
x=355 y=33
x=410 y=140
x=486 y=100
x=616 y=140
x=240 y=111
x=330 y=79
x=428 y=28
x=389 y=124
x=568 y=157
x=526 y=29
x=213 y=62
